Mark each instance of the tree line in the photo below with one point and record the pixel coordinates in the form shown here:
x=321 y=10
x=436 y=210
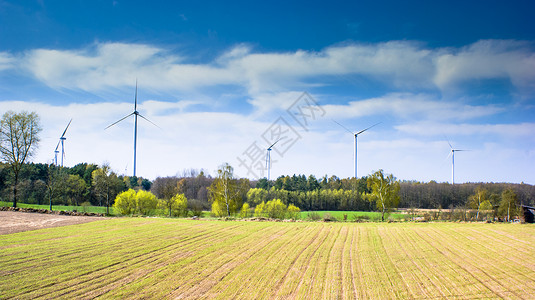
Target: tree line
x=225 y=194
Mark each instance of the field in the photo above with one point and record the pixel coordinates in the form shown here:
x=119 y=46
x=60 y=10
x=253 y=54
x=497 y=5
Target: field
x=190 y=259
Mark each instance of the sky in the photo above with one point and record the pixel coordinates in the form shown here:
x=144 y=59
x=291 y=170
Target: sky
x=221 y=81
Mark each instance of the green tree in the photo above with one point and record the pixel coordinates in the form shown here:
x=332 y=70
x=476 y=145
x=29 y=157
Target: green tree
x=384 y=191
x=275 y=209
x=125 y=202
x=176 y=205
x=106 y=185
x=244 y=212
x=293 y=212
x=508 y=204
x=259 y=209
x=55 y=182
x=75 y=188
x=146 y=202
x=476 y=200
x=226 y=192
x=19 y=138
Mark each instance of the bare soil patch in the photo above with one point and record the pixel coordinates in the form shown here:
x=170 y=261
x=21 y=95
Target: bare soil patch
x=14 y=221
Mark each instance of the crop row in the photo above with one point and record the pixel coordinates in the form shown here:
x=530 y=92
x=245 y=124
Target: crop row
x=170 y=258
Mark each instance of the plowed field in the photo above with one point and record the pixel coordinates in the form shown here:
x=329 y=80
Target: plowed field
x=188 y=259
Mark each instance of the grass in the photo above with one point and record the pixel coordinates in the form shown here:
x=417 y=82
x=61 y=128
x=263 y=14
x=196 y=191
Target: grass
x=177 y=258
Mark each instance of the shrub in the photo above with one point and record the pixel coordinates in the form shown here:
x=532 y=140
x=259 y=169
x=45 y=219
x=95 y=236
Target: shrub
x=293 y=212
x=244 y=212
x=259 y=210
x=125 y=202
x=275 y=209
x=146 y=202
x=313 y=216
x=132 y=202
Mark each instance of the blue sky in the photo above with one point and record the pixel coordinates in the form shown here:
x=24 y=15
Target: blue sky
x=219 y=78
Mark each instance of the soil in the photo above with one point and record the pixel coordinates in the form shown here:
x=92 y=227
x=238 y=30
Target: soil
x=14 y=221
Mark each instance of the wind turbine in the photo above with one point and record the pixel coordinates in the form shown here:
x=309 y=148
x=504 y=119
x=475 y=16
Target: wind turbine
x=268 y=158
x=356 y=135
x=136 y=114
x=62 y=142
x=452 y=152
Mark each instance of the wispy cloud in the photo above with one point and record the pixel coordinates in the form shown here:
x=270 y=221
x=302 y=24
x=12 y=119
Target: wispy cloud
x=6 y=61
x=413 y=106
x=400 y=64
x=488 y=59
x=520 y=130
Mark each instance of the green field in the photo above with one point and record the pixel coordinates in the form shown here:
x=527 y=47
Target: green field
x=177 y=258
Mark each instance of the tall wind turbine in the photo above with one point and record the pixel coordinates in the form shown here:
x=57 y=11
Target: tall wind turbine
x=135 y=113
x=62 y=142
x=356 y=135
x=268 y=159
x=452 y=152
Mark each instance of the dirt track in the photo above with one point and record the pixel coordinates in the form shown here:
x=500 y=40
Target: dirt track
x=11 y=221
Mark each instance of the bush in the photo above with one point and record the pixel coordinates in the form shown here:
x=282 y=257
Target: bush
x=275 y=209
x=327 y=217
x=146 y=202
x=293 y=212
x=244 y=212
x=125 y=202
x=132 y=202
x=259 y=210
x=313 y=216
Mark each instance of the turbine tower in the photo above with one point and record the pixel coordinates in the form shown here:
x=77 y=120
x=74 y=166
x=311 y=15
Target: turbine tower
x=135 y=113
x=268 y=159
x=356 y=135
x=452 y=152
x=62 y=142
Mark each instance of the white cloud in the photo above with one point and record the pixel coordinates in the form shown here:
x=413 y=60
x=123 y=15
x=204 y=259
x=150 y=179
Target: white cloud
x=415 y=106
x=488 y=59
x=401 y=64
x=6 y=61
x=426 y=128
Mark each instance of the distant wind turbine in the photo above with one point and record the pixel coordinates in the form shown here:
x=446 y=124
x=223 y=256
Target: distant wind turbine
x=452 y=152
x=356 y=135
x=136 y=114
x=268 y=159
x=62 y=142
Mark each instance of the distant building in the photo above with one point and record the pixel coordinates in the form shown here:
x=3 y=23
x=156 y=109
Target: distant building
x=529 y=214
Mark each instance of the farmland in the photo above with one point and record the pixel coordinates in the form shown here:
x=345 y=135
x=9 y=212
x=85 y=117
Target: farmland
x=177 y=258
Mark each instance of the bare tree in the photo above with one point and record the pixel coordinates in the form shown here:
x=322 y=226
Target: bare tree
x=19 y=138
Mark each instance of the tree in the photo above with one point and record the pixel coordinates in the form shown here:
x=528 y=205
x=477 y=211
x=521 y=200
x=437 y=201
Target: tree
x=226 y=192
x=55 y=182
x=75 y=188
x=508 y=203
x=476 y=200
x=19 y=138
x=176 y=205
x=106 y=184
x=384 y=190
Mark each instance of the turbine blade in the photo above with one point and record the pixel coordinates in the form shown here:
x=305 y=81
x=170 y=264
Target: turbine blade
x=367 y=128
x=57 y=146
x=118 y=121
x=269 y=148
x=343 y=127
x=462 y=150
x=448 y=140
x=66 y=128
x=148 y=120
